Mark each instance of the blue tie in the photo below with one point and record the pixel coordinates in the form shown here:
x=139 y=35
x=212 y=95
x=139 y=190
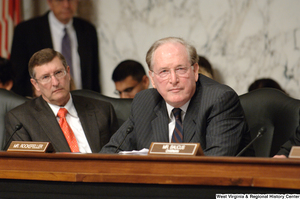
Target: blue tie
x=177 y=136
x=66 y=50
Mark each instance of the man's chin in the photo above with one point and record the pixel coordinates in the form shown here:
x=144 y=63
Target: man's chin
x=176 y=101
x=59 y=100
x=60 y=95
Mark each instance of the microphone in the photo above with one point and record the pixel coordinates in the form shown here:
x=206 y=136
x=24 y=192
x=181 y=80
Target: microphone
x=17 y=127
x=129 y=130
x=259 y=134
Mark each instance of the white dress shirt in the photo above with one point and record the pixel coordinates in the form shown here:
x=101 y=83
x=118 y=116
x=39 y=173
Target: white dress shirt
x=57 y=34
x=75 y=124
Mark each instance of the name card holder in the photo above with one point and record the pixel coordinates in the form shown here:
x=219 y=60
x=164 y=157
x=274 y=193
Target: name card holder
x=295 y=152
x=179 y=149
x=36 y=147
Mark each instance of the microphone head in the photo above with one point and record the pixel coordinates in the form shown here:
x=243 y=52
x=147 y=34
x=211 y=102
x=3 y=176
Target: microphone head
x=129 y=129
x=18 y=126
x=262 y=130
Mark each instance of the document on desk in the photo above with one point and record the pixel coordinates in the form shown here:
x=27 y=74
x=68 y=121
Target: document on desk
x=143 y=151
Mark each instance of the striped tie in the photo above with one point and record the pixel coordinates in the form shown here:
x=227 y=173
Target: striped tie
x=66 y=50
x=66 y=129
x=177 y=136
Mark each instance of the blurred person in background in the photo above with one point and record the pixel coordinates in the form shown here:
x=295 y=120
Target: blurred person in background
x=130 y=78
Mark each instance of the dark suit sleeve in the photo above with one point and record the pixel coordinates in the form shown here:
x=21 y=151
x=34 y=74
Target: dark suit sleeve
x=285 y=149
x=225 y=126
x=118 y=137
x=11 y=120
x=19 y=58
x=141 y=136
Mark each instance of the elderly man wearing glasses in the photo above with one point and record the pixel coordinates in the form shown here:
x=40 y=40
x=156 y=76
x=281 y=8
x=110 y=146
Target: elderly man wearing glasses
x=183 y=106
x=70 y=123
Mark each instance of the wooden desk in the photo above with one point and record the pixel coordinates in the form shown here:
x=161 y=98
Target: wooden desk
x=39 y=175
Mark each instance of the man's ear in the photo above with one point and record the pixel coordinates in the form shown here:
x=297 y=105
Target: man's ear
x=196 y=71
x=151 y=77
x=68 y=71
x=145 y=81
x=35 y=84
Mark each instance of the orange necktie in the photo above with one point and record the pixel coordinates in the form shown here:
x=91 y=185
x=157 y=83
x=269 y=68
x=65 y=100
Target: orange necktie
x=66 y=129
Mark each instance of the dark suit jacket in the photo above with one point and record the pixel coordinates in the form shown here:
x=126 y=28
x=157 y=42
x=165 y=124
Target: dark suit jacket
x=285 y=149
x=97 y=117
x=214 y=118
x=33 y=35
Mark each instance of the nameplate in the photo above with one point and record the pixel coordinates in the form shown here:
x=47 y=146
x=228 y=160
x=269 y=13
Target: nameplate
x=184 y=149
x=37 y=147
x=295 y=152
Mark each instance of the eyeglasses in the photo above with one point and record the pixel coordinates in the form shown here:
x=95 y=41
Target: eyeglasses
x=47 y=78
x=179 y=71
x=127 y=90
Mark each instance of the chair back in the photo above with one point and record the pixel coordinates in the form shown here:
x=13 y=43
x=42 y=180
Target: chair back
x=274 y=110
x=8 y=101
x=121 y=106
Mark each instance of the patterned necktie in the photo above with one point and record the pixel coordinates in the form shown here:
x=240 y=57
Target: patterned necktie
x=66 y=129
x=177 y=136
x=66 y=50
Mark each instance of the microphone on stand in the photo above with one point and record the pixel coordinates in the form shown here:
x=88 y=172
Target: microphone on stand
x=259 y=134
x=129 y=130
x=17 y=128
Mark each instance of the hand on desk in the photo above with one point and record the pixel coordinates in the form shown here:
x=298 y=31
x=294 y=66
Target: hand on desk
x=279 y=156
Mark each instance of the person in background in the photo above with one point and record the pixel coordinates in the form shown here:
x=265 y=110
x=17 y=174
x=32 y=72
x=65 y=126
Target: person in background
x=75 y=38
x=265 y=83
x=205 y=67
x=6 y=74
x=182 y=106
x=130 y=78
x=69 y=123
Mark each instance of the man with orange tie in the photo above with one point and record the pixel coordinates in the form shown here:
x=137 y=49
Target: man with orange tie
x=61 y=30
x=70 y=123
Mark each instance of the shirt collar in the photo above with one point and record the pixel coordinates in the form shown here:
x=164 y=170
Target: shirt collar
x=53 y=20
x=183 y=109
x=69 y=106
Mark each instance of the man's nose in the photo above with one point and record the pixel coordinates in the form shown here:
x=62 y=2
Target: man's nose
x=173 y=77
x=66 y=3
x=54 y=80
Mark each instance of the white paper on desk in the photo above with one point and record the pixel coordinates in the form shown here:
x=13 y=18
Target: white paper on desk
x=143 y=151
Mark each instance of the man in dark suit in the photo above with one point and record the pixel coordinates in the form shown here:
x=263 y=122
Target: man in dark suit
x=211 y=113
x=92 y=122
x=47 y=31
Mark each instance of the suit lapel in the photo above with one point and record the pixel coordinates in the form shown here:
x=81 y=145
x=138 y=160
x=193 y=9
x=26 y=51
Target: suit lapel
x=88 y=121
x=47 y=120
x=190 y=120
x=160 y=123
